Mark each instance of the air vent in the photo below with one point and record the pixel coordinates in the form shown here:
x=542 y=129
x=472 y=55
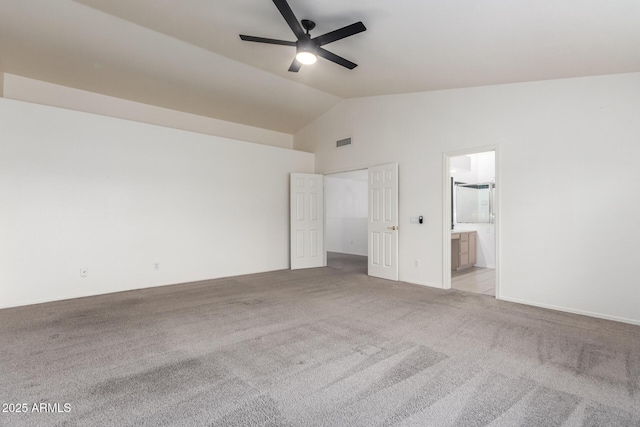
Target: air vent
x=343 y=142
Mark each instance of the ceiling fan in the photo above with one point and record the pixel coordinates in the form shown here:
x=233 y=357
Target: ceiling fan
x=307 y=48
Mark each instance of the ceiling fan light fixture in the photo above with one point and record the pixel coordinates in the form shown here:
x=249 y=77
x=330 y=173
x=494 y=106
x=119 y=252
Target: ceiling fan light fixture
x=306 y=58
x=308 y=49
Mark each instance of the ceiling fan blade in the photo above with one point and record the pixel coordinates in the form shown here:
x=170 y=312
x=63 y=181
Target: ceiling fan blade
x=335 y=58
x=291 y=19
x=265 y=40
x=340 y=33
x=295 y=66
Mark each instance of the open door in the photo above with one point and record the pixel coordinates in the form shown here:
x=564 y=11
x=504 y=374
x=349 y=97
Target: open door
x=383 y=221
x=307 y=221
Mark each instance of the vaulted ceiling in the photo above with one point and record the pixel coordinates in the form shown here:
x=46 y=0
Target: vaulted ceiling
x=186 y=54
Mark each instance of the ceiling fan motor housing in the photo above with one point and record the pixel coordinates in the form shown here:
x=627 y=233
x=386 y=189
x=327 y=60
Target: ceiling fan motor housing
x=306 y=45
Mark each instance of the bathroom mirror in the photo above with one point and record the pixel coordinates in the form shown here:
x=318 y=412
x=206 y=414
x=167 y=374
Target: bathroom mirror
x=474 y=202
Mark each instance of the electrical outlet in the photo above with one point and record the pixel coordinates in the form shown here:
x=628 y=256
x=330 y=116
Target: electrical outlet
x=156 y=266
x=416 y=264
x=84 y=272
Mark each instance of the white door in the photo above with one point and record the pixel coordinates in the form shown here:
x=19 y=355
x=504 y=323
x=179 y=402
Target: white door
x=383 y=221
x=307 y=221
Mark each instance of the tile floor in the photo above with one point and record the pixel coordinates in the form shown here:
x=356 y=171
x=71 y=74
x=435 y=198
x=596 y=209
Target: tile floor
x=478 y=280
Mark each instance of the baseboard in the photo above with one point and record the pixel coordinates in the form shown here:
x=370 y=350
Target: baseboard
x=70 y=297
x=548 y=306
x=347 y=253
x=427 y=284
x=485 y=266
x=64 y=298
x=572 y=311
x=67 y=297
x=431 y=285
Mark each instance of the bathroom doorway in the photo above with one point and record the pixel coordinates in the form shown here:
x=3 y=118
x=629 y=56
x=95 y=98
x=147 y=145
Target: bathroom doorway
x=471 y=216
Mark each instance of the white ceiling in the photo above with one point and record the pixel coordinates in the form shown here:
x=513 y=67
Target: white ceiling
x=186 y=54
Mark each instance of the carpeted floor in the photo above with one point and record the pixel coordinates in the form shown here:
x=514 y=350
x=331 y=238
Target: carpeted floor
x=327 y=346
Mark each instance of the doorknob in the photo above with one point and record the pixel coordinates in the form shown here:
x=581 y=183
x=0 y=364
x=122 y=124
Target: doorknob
x=392 y=228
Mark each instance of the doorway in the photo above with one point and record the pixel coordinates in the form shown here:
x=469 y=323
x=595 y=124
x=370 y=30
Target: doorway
x=471 y=213
x=346 y=216
x=308 y=219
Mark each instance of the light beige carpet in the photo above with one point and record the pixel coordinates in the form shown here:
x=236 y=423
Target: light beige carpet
x=327 y=346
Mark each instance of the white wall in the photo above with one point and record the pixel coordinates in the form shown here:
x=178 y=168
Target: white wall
x=25 y=89
x=346 y=215
x=486 y=163
x=114 y=196
x=568 y=153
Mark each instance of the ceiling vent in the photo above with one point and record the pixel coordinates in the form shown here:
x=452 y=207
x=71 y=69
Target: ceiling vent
x=343 y=142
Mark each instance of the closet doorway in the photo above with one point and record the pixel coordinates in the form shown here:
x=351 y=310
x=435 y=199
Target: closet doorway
x=346 y=218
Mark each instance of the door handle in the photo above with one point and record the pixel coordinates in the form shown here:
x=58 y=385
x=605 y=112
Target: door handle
x=392 y=228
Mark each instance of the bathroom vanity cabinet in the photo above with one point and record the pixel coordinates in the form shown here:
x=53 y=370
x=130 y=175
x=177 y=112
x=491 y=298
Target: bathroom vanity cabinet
x=463 y=249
